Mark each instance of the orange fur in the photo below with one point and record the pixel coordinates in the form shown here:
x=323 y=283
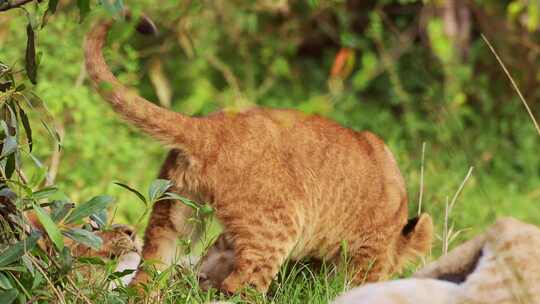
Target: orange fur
x=284 y=184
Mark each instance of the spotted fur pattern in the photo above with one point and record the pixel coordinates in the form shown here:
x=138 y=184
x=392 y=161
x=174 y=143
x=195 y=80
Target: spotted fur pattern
x=283 y=184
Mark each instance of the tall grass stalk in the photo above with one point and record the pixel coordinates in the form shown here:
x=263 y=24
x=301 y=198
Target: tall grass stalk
x=516 y=88
x=421 y=194
x=448 y=233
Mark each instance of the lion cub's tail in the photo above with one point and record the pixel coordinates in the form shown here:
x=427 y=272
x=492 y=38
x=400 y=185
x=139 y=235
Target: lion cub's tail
x=415 y=239
x=169 y=127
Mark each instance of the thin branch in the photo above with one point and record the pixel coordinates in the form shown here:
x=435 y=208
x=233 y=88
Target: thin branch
x=81 y=77
x=445 y=231
x=55 y=158
x=69 y=279
x=448 y=232
x=501 y=63
x=229 y=76
x=420 y=196
x=461 y=186
x=59 y=295
x=14 y=4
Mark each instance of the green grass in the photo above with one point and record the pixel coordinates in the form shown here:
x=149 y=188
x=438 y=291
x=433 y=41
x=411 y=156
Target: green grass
x=297 y=282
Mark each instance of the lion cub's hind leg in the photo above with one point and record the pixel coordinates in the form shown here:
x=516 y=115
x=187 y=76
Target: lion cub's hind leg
x=168 y=224
x=263 y=239
x=384 y=254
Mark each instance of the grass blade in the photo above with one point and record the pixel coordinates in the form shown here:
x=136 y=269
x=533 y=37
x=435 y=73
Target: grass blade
x=516 y=88
x=157 y=189
x=14 y=252
x=49 y=226
x=84 y=237
x=8 y=296
x=134 y=191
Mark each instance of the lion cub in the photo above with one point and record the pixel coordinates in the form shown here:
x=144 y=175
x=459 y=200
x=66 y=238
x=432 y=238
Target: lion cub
x=284 y=185
x=119 y=242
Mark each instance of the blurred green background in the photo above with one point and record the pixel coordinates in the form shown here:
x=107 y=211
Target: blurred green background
x=411 y=71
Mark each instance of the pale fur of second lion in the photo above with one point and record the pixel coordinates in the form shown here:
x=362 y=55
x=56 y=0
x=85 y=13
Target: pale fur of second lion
x=500 y=266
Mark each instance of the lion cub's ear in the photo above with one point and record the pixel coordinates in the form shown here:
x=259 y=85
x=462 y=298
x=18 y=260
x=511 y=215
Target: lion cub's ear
x=416 y=237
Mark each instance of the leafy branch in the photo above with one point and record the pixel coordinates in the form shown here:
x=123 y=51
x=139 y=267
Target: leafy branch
x=7 y=4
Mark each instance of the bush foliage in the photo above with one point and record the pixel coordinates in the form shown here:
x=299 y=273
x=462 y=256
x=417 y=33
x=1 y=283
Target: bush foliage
x=412 y=71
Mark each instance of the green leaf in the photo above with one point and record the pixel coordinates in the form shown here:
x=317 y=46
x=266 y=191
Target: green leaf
x=313 y=3
x=88 y=208
x=51 y=9
x=45 y=192
x=185 y=201
x=20 y=87
x=66 y=260
x=440 y=43
x=36 y=161
x=113 y=7
x=91 y=260
x=38 y=176
x=53 y=133
x=134 y=191
x=8 y=296
x=10 y=165
x=27 y=265
x=10 y=145
x=14 y=268
x=52 y=6
x=84 y=237
x=206 y=209
x=280 y=67
x=4 y=282
x=84 y=8
x=100 y=218
x=14 y=252
x=157 y=189
x=38 y=279
x=163 y=277
x=50 y=227
x=118 y=274
x=59 y=210
x=27 y=128
x=25 y=188
x=30 y=63
x=13 y=119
